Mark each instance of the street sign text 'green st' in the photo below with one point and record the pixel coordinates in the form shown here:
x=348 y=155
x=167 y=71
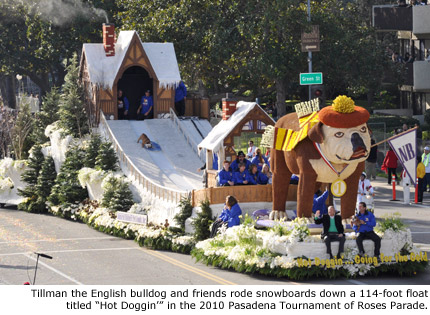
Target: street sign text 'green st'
x=311 y=78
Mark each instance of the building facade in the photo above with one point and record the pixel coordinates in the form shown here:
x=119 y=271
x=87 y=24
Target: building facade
x=412 y=25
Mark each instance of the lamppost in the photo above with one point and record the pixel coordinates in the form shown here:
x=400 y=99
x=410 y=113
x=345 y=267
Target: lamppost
x=19 y=78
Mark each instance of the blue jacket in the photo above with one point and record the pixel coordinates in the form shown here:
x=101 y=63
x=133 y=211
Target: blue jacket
x=231 y=216
x=224 y=177
x=147 y=103
x=125 y=102
x=235 y=165
x=258 y=178
x=262 y=179
x=370 y=220
x=319 y=203
x=255 y=160
x=180 y=92
x=238 y=177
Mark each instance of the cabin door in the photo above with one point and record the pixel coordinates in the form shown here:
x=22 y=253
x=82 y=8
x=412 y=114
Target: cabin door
x=134 y=82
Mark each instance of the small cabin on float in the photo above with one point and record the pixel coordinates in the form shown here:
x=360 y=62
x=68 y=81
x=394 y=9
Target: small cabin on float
x=237 y=118
x=125 y=63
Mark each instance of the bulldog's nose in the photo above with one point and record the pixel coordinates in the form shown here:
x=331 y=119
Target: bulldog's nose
x=357 y=142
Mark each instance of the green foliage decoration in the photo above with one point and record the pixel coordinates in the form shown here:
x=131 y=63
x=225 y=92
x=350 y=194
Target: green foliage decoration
x=92 y=151
x=185 y=212
x=117 y=195
x=391 y=222
x=106 y=159
x=47 y=115
x=203 y=221
x=73 y=116
x=67 y=189
x=30 y=176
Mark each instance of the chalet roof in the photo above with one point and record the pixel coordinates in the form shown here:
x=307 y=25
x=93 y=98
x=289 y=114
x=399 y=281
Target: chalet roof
x=102 y=70
x=214 y=141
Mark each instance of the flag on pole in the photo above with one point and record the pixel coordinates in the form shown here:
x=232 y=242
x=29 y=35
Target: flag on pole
x=405 y=147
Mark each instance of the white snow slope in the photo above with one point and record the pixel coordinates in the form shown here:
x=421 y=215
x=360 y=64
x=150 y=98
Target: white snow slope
x=174 y=166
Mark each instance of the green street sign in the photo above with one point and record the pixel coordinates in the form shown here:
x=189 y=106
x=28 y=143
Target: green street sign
x=311 y=78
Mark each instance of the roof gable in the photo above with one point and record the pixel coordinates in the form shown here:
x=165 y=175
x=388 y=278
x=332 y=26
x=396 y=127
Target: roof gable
x=105 y=71
x=214 y=141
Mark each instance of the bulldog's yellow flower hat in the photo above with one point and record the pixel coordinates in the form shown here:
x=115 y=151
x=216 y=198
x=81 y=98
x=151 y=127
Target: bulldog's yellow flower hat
x=343 y=113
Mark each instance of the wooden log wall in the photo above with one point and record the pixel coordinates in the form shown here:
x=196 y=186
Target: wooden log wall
x=251 y=193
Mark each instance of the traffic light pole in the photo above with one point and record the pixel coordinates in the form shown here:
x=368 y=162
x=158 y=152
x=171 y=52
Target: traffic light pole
x=309 y=52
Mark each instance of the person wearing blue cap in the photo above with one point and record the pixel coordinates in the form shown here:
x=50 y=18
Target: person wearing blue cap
x=145 y=109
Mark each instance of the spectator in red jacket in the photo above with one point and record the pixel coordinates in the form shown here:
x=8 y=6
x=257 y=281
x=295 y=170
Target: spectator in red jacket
x=390 y=165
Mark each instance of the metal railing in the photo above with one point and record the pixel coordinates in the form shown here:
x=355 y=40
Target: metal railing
x=190 y=141
x=155 y=189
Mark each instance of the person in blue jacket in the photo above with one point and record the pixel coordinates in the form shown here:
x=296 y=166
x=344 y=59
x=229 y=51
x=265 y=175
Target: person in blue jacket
x=259 y=160
x=257 y=177
x=229 y=215
x=123 y=105
x=225 y=176
x=240 y=159
x=180 y=97
x=319 y=202
x=145 y=109
x=364 y=226
x=242 y=176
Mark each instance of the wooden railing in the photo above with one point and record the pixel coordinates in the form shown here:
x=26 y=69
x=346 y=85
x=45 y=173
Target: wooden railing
x=108 y=107
x=246 y=193
x=163 y=105
x=196 y=106
x=155 y=189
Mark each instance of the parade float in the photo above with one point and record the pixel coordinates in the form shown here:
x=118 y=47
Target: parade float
x=277 y=237
x=321 y=146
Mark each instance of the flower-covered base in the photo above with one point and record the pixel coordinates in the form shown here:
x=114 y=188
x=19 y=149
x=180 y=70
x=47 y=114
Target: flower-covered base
x=292 y=252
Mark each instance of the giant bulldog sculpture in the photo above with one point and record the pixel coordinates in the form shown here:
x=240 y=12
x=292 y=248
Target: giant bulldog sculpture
x=340 y=135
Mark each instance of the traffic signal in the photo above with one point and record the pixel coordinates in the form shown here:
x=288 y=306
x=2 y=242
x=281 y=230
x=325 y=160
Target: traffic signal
x=318 y=91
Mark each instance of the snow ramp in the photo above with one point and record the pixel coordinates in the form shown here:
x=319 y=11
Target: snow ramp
x=172 y=170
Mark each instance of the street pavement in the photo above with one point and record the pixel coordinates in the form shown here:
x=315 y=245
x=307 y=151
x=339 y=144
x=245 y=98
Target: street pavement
x=82 y=255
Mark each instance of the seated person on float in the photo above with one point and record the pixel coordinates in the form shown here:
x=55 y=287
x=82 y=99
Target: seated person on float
x=242 y=177
x=257 y=177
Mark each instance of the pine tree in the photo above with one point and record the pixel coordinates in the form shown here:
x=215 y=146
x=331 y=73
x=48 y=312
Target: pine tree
x=106 y=159
x=67 y=189
x=30 y=176
x=48 y=115
x=122 y=198
x=92 y=151
x=185 y=213
x=203 y=221
x=117 y=195
x=45 y=182
x=73 y=117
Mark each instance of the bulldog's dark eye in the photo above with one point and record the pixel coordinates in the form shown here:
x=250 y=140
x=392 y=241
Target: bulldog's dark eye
x=363 y=129
x=339 y=134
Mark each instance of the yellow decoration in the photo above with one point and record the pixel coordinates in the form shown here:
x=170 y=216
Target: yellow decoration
x=286 y=140
x=343 y=104
x=338 y=188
